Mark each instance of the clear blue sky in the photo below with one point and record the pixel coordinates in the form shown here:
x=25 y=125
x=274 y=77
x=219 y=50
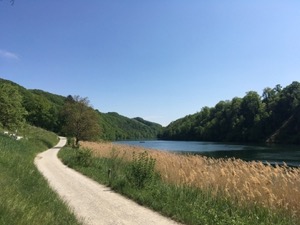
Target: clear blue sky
x=158 y=59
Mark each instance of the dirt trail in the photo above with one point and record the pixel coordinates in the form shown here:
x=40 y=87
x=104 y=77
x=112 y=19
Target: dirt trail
x=91 y=202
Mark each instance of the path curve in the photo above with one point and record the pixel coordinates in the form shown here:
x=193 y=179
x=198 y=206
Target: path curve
x=91 y=202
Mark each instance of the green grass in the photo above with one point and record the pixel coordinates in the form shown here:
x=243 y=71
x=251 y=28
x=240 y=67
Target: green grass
x=25 y=197
x=184 y=204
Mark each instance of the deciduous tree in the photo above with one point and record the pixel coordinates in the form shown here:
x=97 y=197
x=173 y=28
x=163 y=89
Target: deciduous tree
x=80 y=119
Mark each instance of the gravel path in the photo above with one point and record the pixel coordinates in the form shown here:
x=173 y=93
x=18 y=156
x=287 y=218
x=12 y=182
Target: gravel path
x=91 y=202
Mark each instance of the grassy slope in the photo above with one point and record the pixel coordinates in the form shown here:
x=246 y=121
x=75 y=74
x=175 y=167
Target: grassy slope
x=25 y=196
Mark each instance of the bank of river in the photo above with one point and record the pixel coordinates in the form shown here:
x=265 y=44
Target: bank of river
x=265 y=153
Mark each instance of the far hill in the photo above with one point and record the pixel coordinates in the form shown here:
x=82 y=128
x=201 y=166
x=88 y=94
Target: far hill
x=44 y=111
x=147 y=123
x=118 y=127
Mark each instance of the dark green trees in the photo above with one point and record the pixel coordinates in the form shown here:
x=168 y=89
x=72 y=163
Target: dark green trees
x=41 y=112
x=12 y=112
x=253 y=118
x=253 y=113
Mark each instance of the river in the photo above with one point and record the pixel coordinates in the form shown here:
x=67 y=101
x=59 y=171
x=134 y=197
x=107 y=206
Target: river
x=274 y=154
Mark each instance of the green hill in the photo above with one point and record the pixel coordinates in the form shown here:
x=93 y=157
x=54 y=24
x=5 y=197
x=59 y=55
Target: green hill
x=272 y=117
x=44 y=108
x=117 y=127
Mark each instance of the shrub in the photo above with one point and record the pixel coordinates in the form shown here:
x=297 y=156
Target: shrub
x=71 y=142
x=83 y=157
x=141 y=169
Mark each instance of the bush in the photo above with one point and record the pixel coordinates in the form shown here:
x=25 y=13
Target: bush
x=141 y=169
x=83 y=157
x=71 y=142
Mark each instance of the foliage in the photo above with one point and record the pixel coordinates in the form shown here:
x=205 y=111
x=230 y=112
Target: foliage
x=45 y=110
x=80 y=120
x=118 y=127
x=155 y=126
x=25 y=195
x=252 y=118
x=271 y=117
x=141 y=169
x=71 y=142
x=83 y=157
x=41 y=112
x=11 y=110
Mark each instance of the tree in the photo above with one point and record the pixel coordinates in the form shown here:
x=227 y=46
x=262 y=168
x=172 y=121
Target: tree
x=291 y=96
x=254 y=113
x=41 y=112
x=80 y=120
x=12 y=113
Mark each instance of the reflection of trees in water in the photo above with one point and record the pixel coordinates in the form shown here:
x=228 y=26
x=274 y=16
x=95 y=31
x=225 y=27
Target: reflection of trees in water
x=275 y=155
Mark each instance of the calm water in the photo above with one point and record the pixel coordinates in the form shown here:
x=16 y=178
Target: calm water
x=265 y=153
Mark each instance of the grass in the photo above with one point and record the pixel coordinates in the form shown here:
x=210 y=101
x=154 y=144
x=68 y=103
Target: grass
x=192 y=189
x=25 y=196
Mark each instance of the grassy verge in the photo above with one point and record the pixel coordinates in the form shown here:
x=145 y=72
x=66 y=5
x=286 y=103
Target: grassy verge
x=138 y=180
x=25 y=197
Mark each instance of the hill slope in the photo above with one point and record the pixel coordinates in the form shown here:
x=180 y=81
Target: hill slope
x=274 y=116
x=118 y=127
x=44 y=111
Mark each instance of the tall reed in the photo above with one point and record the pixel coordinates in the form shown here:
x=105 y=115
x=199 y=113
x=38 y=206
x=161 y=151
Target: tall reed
x=245 y=183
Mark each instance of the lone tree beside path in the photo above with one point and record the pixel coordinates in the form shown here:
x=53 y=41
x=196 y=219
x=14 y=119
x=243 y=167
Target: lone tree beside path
x=80 y=119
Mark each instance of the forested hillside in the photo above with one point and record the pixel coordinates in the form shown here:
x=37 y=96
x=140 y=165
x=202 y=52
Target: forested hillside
x=272 y=117
x=117 y=127
x=43 y=109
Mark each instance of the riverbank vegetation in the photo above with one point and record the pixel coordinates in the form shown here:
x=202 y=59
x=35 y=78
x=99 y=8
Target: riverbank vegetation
x=272 y=117
x=25 y=195
x=194 y=189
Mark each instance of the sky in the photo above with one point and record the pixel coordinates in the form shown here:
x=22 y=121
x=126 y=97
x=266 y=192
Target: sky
x=159 y=60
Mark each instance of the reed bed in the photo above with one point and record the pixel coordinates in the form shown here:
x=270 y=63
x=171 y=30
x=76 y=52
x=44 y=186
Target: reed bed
x=243 y=182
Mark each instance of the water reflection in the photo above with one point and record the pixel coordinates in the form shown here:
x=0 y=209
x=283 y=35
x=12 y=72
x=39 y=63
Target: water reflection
x=274 y=154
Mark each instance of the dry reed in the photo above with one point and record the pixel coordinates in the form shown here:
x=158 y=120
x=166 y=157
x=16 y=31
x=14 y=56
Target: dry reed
x=244 y=182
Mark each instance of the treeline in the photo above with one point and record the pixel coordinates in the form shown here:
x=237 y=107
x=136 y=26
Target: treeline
x=19 y=106
x=272 y=117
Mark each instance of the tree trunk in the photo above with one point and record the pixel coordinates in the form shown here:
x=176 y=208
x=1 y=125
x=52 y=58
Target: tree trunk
x=77 y=142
